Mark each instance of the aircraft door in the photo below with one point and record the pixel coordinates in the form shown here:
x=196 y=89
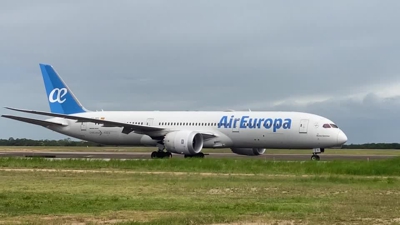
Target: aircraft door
x=149 y=121
x=83 y=126
x=303 y=126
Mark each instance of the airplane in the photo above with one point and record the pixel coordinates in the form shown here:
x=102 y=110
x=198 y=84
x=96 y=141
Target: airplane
x=187 y=133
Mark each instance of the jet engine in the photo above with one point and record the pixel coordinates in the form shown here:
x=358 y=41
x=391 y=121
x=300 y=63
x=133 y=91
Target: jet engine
x=248 y=151
x=184 y=142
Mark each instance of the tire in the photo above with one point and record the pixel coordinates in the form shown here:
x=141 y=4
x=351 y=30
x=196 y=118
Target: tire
x=315 y=157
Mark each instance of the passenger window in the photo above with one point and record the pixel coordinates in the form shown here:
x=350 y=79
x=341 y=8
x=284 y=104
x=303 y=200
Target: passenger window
x=326 y=126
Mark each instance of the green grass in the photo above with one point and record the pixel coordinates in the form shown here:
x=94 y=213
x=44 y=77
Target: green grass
x=389 y=167
x=67 y=197
x=224 y=150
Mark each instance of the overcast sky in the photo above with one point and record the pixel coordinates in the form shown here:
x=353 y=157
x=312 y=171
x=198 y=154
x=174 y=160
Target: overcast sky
x=338 y=59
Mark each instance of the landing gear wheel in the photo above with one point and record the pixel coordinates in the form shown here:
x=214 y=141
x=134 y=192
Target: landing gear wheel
x=316 y=151
x=315 y=157
x=160 y=154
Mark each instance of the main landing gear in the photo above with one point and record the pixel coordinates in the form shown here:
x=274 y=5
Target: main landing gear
x=316 y=151
x=161 y=153
x=165 y=154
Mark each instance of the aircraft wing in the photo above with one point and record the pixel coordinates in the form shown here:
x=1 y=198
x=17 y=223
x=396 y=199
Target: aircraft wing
x=127 y=128
x=33 y=121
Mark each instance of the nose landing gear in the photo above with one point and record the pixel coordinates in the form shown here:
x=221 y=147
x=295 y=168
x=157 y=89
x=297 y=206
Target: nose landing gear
x=316 y=151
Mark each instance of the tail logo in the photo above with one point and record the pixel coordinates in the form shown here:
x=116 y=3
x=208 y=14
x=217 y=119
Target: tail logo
x=57 y=95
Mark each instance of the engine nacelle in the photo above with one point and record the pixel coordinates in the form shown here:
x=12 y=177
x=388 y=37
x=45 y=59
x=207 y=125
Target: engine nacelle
x=184 y=142
x=248 y=151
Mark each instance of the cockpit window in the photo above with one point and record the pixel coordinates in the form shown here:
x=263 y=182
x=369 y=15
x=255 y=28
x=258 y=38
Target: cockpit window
x=326 y=125
x=334 y=125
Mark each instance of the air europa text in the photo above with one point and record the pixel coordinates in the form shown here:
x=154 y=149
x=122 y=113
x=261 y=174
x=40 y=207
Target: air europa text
x=247 y=122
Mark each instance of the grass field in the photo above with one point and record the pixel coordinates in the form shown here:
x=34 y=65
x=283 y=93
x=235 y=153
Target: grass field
x=150 y=149
x=199 y=191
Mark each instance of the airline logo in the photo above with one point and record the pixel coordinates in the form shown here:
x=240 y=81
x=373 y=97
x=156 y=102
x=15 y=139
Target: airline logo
x=252 y=123
x=57 y=95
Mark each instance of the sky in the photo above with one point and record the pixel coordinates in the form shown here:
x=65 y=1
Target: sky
x=338 y=59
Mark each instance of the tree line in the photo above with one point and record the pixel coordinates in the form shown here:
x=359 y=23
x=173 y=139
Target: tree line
x=373 y=146
x=30 y=142
x=68 y=142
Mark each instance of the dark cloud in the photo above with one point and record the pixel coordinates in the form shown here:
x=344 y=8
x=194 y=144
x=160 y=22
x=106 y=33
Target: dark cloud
x=185 y=55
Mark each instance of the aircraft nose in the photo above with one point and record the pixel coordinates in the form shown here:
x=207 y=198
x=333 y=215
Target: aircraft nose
x=341 y=138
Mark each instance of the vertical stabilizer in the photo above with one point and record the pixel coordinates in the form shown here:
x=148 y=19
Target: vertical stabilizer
x=60 y=97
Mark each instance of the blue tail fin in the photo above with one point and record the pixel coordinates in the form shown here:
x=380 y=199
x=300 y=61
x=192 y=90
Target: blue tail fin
x=60 y=97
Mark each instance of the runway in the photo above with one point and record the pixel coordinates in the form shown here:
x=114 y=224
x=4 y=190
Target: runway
x=146 y=155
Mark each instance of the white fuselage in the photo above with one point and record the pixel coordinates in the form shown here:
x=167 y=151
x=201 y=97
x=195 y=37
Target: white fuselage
x=257 y=130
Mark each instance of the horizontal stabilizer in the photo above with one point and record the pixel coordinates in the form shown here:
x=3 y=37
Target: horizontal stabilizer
x=33 y=121
x=106 y=123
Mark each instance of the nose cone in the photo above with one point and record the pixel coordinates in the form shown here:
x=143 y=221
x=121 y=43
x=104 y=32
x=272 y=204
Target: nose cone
x=341 y=138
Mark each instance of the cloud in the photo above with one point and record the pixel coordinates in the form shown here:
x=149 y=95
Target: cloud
x=339 y=59
x=371 y=118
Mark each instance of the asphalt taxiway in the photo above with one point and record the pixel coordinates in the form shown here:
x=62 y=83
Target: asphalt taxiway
x=146 y=155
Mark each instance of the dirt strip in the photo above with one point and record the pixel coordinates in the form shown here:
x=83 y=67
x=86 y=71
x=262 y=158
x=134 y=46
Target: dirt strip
x=185 y=173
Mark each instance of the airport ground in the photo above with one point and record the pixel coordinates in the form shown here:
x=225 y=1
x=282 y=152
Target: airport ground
x=395 y=152
x=199 y=191
x=144 y=153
